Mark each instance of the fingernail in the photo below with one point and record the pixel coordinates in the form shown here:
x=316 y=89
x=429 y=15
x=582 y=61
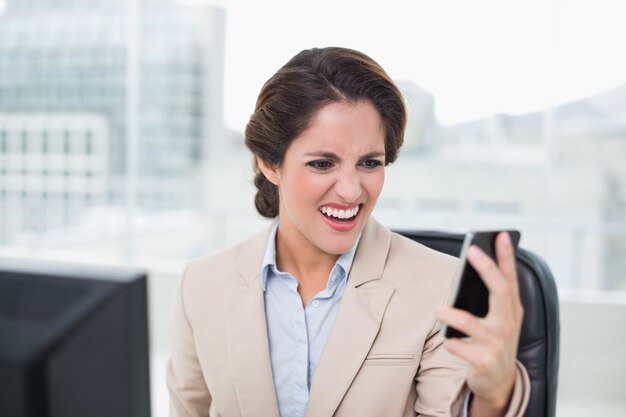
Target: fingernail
x=473 y=251
x=507 y=238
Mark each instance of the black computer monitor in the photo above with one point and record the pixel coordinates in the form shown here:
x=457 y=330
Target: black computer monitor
x=73 y=341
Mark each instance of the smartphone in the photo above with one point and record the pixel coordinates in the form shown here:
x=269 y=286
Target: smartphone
x=469 y=291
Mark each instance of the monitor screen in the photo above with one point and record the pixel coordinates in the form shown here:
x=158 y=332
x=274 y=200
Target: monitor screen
x=73 y=341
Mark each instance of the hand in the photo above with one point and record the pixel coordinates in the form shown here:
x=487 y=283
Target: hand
x=491 y=347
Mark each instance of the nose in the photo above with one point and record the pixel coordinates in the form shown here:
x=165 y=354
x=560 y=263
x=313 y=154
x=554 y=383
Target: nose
x=348 y=186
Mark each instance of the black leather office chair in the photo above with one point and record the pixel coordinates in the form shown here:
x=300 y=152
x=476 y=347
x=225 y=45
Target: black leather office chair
x=539 y=340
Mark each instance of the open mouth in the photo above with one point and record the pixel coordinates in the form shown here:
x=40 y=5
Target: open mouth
x=340 y=215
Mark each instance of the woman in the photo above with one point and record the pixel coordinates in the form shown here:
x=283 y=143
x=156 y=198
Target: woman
x=327 y=312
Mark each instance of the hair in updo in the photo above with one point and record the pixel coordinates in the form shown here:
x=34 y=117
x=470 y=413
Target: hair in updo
x=309 y=81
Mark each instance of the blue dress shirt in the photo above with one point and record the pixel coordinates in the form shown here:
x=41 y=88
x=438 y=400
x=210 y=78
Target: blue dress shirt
x=297 y=335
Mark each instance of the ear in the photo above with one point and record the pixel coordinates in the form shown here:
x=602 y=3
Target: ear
x=270 y=171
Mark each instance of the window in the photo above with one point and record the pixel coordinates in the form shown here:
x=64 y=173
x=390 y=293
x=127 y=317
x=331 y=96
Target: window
x=66 y=142
x=44 y=142
x=88 y=142
x=24 y=142
x=3 y=141
x=516 y=117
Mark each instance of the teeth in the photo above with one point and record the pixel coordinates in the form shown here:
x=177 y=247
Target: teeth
x=340 y=214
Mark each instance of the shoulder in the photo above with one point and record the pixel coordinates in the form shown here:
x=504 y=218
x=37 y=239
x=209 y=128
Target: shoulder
x=400 y=252
x=412 y=254
x=223 y=259
x=420 y=265
x=414 y=268
x=245 y=258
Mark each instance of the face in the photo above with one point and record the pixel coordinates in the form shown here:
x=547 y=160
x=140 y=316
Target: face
x=331 y=177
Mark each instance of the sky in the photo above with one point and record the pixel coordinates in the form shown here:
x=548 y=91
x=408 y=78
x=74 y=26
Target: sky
x=476 y=57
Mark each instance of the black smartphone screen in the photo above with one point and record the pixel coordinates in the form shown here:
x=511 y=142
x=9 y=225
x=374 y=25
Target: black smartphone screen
x=470 y=293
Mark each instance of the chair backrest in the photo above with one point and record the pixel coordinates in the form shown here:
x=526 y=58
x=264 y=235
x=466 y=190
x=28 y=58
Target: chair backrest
x=539 y=339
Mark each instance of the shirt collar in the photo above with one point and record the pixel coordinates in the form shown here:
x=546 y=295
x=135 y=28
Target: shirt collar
x=344 y=262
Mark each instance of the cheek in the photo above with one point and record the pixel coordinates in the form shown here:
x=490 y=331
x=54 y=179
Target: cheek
x=374 y=184
x=308 y=186
x=316 y=185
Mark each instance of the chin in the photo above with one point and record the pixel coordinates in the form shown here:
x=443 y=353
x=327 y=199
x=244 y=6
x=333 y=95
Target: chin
x=340 y=245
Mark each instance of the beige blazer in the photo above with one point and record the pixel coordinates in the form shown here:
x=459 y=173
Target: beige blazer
x=383 y=357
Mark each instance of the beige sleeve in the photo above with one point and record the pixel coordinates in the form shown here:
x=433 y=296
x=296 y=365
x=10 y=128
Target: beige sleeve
x=521 y=392
x=440 y=380
x=189 y=395
x=441 y=387
x=519 y=398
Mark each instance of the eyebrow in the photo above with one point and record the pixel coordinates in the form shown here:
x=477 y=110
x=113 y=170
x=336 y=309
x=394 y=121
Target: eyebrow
x=330 y=155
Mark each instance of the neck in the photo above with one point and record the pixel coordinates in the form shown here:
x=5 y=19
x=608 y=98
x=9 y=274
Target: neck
x=301 y=258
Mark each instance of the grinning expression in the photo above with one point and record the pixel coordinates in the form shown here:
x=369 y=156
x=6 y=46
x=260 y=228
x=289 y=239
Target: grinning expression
x=330 y=178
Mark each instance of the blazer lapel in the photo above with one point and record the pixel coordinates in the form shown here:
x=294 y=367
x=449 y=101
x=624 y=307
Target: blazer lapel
x=246 y=332
x=356 y=325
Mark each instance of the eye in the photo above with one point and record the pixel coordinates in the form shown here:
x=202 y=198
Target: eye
x=371 y=163
x=320 y=165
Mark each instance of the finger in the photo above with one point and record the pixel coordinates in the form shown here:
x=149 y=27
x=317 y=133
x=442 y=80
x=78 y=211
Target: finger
x=501 y=293
x=463 y=321
x=488 y=270
x=506 y=258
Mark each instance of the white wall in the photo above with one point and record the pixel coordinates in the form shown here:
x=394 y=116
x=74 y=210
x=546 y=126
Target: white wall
x=592 y=372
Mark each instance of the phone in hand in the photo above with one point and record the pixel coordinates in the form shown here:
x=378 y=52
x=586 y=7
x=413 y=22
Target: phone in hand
x=469 y=292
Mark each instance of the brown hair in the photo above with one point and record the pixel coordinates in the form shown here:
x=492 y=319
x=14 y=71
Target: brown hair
x=309 y=81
